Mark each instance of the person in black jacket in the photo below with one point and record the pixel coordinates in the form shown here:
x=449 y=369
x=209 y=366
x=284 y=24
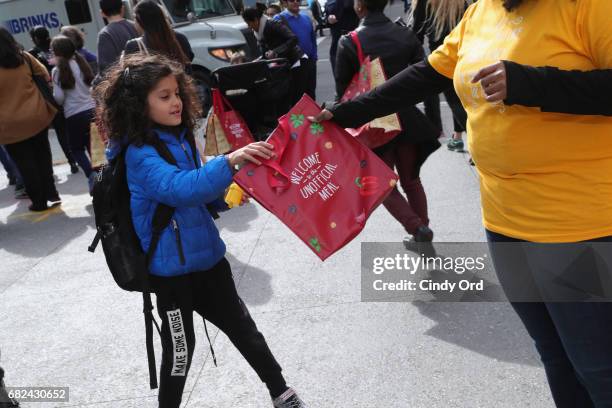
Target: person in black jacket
x=398 y=48
x=158 y=36
x=278 y=41
x=435 y=19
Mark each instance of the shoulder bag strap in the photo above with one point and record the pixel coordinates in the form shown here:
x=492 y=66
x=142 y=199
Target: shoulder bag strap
x=355 y=39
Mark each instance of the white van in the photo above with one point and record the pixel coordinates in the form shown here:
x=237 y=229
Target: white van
x=213 y=27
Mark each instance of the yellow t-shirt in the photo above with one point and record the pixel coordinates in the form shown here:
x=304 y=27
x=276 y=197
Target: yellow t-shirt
x=544 y=177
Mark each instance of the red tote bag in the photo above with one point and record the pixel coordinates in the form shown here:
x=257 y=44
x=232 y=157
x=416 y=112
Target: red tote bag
x=323 y=184
x=371 y=74
x=230 y=129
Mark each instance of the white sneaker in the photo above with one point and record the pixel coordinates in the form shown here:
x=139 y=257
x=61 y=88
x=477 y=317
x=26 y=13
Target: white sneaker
x=289 y=399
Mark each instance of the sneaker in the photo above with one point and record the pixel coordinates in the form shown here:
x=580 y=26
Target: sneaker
x=455 y=145
x=20 y=192
x=421 y=242
x=289 y=399
x=54 y=199
x=424 y=234
x=74 y=169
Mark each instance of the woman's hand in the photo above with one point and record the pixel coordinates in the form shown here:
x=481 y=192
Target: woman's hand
x=321 y=117
x=250 y=153
x=493 y=81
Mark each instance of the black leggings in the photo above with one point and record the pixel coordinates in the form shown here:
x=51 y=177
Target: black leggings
x=78 y=130
x=59 y=124
x=212 y=294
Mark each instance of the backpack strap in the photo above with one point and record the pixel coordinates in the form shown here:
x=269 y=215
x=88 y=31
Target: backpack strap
x=161 y=219
x=355 y=39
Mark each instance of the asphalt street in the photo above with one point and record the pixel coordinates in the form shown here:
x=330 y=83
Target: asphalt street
x=64 y=322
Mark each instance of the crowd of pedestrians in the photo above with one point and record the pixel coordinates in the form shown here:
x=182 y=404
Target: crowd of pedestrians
x=533 y=189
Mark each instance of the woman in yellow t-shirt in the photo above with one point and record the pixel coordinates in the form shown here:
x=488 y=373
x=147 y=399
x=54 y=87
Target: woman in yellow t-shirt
x=545 y=177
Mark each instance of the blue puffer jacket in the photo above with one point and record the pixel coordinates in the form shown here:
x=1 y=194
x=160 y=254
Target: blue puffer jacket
x=191 y=242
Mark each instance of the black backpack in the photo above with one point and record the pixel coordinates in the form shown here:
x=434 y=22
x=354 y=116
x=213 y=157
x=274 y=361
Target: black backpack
x=125 y=258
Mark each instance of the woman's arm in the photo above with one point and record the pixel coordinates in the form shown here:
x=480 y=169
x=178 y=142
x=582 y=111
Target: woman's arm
x=548 y=88
x=555 y=90
x=404 y=90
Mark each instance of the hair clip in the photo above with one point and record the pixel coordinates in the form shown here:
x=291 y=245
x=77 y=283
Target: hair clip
x=127 y=80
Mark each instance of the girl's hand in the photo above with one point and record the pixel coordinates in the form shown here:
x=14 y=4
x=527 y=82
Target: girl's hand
x=322 y=116
x=250 y=153
x=493 y=82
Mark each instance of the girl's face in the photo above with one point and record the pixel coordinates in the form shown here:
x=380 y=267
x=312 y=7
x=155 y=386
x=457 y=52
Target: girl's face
x=165 y=104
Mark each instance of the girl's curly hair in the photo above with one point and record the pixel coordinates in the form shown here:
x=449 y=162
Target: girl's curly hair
x=122 y=97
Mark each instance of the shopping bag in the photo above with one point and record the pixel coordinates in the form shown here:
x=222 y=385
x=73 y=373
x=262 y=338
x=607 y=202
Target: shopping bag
x=371 y=74
x=97 y=141
x=225 y=129
x=323 y=184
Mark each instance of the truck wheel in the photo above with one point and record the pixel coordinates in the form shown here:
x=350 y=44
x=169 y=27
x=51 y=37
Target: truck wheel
x=202 y=81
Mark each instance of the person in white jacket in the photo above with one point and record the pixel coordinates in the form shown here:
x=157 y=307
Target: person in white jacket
x=72 y=77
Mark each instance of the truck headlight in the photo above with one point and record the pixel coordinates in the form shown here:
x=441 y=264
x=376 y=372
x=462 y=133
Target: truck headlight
x=224 y=54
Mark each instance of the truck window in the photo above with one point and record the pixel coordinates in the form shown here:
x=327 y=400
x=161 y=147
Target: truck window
x=179 y=9
x=78 y=11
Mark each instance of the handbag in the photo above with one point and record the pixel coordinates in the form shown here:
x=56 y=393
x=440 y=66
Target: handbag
x=370 y=75
x=323 y=184
x=43 y=86
x=225 y=129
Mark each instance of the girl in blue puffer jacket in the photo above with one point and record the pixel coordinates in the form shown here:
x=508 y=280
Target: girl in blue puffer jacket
x=147 y=97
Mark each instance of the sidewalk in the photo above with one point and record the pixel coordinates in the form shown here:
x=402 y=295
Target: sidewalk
x=65 y=323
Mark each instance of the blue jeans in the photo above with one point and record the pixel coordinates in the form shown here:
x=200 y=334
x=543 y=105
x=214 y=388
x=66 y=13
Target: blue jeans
x=9 y=166
x=574 y=341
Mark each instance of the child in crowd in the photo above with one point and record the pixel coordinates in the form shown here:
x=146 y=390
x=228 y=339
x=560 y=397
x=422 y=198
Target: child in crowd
x=72 y=77
x=146 y=100
x=78 y=38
